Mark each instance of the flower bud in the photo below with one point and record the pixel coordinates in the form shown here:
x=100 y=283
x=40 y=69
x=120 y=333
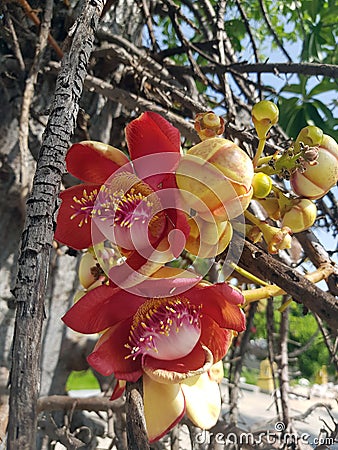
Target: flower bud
x=276 y=238
x=261 y=184
x=300 y=215
x=264 y=115
x=271 y=206
x=86 y=275
x=253 y=233
x=209 y=125
x=310 y=135
x=214 y=179
x=207 y=239
x=317 y=179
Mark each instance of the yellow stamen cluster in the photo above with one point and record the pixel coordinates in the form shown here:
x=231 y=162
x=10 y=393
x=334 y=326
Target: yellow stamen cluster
x=84 y=206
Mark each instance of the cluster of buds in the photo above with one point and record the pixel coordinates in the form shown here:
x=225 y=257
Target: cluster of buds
x=298 y=214
x=311 y=165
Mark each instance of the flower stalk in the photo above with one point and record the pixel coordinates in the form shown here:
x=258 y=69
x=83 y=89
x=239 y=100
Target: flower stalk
x=271 y=290
x=264 y=115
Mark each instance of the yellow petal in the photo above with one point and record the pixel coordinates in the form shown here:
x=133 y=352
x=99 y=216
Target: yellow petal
x=203 y=400
x=164 y=407
x=216 y=371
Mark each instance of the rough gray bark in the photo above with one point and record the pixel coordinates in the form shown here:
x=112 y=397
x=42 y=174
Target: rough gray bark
x=38 y=232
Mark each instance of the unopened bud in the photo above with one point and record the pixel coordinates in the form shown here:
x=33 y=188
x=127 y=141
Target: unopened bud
x=276 y=238
x=299 y=215
x=261 y=185
x=310 y=135
x=209 y=125
x=264 y=115
x=315 y=180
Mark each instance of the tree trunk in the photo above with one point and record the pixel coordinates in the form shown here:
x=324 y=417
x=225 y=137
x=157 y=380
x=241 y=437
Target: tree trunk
x=38 y=234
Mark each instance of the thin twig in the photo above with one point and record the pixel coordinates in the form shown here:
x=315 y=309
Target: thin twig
x=16 y=45
x=28 y=97
x=149 y=23
x=252 y=40
x=34 y=18
x=284 y=364
x=272 y=31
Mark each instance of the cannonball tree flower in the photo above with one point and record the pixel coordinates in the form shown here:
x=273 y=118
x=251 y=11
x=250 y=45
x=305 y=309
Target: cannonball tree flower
x=172 y=341
x=123 y=196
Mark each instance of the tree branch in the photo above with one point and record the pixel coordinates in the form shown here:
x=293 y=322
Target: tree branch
x=64 y=403
x=294 y=283
x=327 y=70
x=38 y=233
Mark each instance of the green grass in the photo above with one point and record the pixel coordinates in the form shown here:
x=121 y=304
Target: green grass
x=84 y=379
x=251 y=375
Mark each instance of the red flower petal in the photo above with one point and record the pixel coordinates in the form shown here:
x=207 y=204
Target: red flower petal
x=94 y=162
x=220 y=303
x=193 y=361
x=110 y=354
x=118 y=389
x=101 y=308
x=150 y=134
x=215 y=338
x=74 y=224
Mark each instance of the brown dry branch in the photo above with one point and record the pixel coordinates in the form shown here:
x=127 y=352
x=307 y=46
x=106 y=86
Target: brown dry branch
x=315 y=69
x=16 y=45
x=35 y=19
x=322 y=303
x=64 y=403
x=38 y=233
x=62 y=435
x=319 y=257
x=28 y=97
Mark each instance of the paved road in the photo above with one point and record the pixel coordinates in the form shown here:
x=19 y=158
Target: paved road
x=257 y=409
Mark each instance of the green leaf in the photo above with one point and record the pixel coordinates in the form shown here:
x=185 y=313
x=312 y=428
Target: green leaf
x=294 y=88
x=324 y=86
